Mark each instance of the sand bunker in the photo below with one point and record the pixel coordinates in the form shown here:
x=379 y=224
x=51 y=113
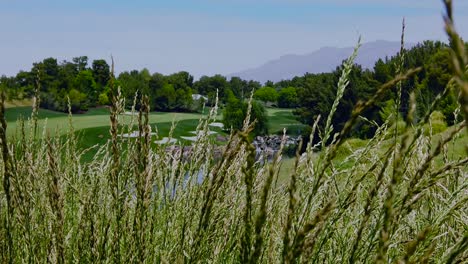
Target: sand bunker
x=190 y=138
x=201 y=132
x=216 y=124
x=134 y=134
x=166 y=140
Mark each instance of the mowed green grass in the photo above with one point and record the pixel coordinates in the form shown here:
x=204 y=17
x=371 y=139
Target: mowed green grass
x=283 y=118
x=92 y=127
x=97 y=120
x=99 y=117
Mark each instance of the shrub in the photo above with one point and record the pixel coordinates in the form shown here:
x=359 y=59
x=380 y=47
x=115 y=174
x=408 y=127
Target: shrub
x=235 y=112
x=103 y=99
x=287 y=97
x=436 y=123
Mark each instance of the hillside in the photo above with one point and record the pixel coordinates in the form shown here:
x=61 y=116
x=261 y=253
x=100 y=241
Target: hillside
x=325 y=59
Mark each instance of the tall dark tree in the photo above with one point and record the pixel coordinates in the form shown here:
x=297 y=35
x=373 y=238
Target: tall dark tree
x=156 y=83
x=266 y=94
x=238 y=87
x=67 y=74
x=208 y=86
x=81 y=63
x=133 y=82
x=235 y=113
x=287 y=97
x=165 y=98
x=382 y=71
x=182 y=83
x=101 y=73
x=84 y=83
x=47 y=72
x=26 y=83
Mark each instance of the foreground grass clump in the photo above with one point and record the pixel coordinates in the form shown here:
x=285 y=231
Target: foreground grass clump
x=142 y=203
x=404 y=198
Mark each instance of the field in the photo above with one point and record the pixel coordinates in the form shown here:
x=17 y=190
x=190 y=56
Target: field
x=398 y=197
x=96 y=117
x=390 y=198
x=96 y=122
x=92 y=127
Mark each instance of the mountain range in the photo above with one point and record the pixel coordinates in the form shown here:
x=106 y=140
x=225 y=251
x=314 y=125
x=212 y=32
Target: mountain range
x=325 y=59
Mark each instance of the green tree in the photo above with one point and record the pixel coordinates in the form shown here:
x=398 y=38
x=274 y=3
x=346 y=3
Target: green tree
x=84 y=83
x=316 y=93
x=47 y=71
x=235 y=113
x=382 y=71
x=209 y=85
x=266 y=94
x=103 y=99
x=261 y=118
x=156 y=83
x=101 y=73
x=182 y=83
x=67 y=74
x=11 y=88
x=81 y=63
x=238 y=87
x=77 y=100
x=181 y=80
x=184 y=99
x=26 y=82
x=166 y=98
x=252 y=86
x=134 y=81
x=287 y=97
x=436 y=77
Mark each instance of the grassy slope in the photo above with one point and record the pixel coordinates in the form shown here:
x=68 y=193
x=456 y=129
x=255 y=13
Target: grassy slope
x=99 y=117
x=455 y=150
x=96 y=120
x=18 y=103
x=93 y=126
x=283 y=118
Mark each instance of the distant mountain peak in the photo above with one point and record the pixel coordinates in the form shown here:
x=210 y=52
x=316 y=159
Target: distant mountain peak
x=325 y=59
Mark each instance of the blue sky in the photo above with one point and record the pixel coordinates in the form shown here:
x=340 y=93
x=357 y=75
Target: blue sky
x=205 y=36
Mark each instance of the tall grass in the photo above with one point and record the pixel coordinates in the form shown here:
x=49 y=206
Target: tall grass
x=402 y=200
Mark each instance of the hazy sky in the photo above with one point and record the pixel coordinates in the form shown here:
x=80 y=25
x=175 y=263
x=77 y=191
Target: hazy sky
x=205 y=36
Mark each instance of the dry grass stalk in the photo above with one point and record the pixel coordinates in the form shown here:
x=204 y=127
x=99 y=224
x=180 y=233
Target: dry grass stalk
x=7 y=179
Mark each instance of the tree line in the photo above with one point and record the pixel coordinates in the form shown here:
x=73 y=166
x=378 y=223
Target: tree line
x=313 y=94
x=87 y=85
